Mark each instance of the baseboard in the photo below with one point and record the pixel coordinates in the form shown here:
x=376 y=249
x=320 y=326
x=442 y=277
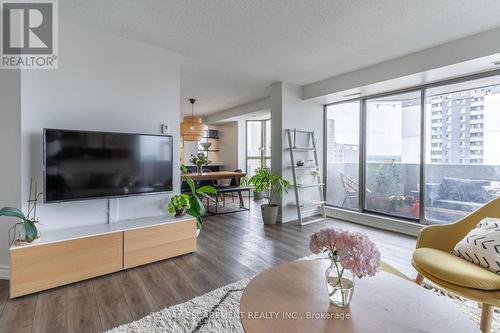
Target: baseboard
x=293 y=218
x=4 y=272
x=375 y=221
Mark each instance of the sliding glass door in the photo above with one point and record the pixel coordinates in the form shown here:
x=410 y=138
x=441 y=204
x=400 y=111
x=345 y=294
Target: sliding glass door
x=378 y=162
x=342 y=154
x=462 y=160
x=392 y=157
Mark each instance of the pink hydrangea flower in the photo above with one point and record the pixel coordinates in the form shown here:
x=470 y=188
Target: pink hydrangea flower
x=354 y=250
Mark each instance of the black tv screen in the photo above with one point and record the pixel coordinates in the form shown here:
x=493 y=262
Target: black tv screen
x=86 y=165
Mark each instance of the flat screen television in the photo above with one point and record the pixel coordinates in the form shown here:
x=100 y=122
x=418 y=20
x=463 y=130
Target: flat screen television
x=82 y=165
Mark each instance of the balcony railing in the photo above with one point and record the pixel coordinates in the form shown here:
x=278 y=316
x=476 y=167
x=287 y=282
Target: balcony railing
x=385 y=182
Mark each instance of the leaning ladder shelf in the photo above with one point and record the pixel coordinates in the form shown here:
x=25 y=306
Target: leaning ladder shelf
x=304 y=208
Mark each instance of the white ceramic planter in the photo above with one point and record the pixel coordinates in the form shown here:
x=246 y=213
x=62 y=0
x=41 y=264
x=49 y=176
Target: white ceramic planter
x=269 y=213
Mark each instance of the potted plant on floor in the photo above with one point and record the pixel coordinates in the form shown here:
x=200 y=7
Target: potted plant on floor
x=402 y=204
x=179 y=204
x=265 y=181
x=196 y=208
x=257 y=196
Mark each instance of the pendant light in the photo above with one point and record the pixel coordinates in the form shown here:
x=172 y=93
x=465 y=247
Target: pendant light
x=192 y=127
x=192 y=101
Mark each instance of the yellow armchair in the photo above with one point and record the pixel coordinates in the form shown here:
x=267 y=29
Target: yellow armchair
x=432 y=260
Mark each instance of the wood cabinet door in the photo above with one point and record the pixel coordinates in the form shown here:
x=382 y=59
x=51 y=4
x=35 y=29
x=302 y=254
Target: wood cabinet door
x=46 y=266
x=145 y=245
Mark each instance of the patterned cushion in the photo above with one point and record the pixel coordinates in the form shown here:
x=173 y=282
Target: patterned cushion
x=481 y=246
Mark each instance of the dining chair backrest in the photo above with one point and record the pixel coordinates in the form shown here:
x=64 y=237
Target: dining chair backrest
x=233 y=180
x=204 y=182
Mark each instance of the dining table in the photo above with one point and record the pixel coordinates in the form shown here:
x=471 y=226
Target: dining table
x=216 y=175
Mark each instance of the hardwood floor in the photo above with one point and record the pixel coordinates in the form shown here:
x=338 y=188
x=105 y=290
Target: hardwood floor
x=230 y=247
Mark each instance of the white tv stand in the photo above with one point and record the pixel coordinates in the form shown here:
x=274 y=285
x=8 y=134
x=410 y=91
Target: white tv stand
x=65 y=256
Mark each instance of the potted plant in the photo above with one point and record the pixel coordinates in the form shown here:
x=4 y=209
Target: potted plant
x=196 y=208
x=178 y=204
x=25 y=230
x=199 y=160
x=257 y=196
x=401 y=204
x=27 y=225
x=265 y=181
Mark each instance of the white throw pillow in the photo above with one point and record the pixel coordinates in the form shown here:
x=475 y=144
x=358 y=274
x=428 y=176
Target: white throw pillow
x=481 y=246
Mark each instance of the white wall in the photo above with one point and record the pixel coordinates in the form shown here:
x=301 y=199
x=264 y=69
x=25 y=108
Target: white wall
x=104 y=83
x=228 y=154
x=190 y=148
x=238 y=111
x=289 y=111
x=242 y=145
x=10 y=156
x=232 y=143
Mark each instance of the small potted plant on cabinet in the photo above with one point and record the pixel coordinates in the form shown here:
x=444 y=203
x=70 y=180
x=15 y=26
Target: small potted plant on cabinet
x=24 y=231
x=26 y=228
x=178 y=204
x=195 y=206
x=265 y=181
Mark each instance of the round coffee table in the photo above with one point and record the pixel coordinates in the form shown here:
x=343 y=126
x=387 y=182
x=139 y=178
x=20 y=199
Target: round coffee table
x=292 y=297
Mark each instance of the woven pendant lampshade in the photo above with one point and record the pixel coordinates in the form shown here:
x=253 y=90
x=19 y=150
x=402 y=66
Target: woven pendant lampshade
x=192 y=127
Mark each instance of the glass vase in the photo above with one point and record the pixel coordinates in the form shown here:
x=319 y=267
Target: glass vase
x=340 y=283
x=199 y=169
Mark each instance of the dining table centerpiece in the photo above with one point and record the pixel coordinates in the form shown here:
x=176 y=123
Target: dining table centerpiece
x=200 y=160
x=351 y=254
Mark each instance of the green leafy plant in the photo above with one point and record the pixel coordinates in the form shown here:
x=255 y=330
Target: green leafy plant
x=31 y=231
x=178 y=203
x=388 y=176
x=398 y=201
x=196 y=208
x=199 y=160
x=28 y=221
x=265 y=181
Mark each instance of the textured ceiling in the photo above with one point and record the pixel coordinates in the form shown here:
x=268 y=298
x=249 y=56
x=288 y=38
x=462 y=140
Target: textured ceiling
x=234 y=49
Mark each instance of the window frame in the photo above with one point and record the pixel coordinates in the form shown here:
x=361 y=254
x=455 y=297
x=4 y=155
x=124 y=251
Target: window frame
x=362 y=140
x=363 y=167
x=360 y=152
x=263 y=138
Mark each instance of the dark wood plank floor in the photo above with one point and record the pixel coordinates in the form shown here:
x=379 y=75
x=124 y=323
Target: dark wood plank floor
x=230 y=247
